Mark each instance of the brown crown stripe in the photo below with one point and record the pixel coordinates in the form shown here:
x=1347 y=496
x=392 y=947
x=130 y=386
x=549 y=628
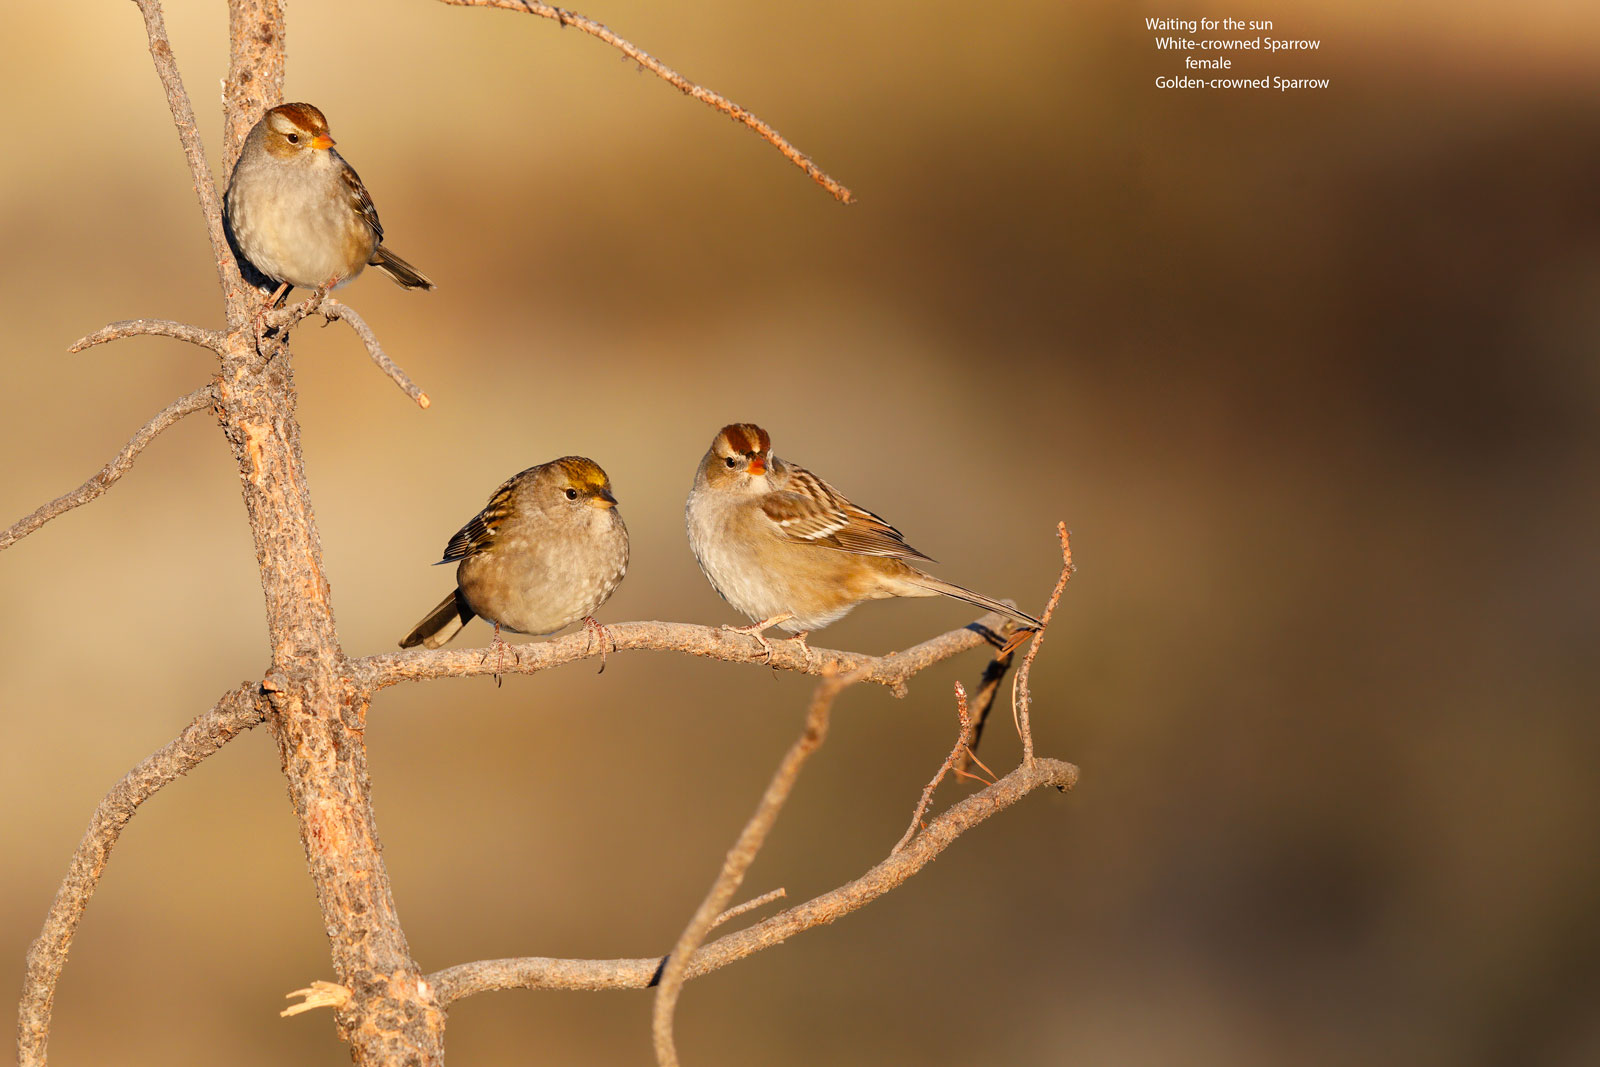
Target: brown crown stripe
x=305 y=116
x=747 y=438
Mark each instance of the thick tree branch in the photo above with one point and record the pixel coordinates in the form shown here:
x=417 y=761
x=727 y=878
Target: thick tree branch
x=892 y=670
x=239 y=710
x=682 y=84
x=741 y=856
x=183 y=331
x=484 y=976
x=205 y=186
x=108 y=475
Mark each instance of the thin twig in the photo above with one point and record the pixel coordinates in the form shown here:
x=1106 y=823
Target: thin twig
x=983 y=703
x=237 y=711
x=749 y=905
x=205 y=186
x=484 y=976
x=741 y=856
x=666 y=73
x=332 y=309
x=1021 y=696
x=286 y=318
x=963 y=743
x=183 y=331
x=892 y=670
x=108 y=475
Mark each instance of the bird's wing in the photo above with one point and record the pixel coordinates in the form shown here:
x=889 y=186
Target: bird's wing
x=811 y=511
x=479 y=534
x=359 y=199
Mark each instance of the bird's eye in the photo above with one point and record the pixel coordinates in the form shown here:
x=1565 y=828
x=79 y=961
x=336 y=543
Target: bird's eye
x=733 y=461
x=294 y=138
x=572 y=494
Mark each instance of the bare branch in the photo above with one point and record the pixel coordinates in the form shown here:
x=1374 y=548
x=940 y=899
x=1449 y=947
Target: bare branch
x=237 y=711
x=108 y=475
x=683 y=85
x=205 y=186
x=741 y=856
x=468 y=979
x=1021 y=696
x=183 y=331
x=963 y=743
x=333 y=309
x=983 y=703
x=892 y=670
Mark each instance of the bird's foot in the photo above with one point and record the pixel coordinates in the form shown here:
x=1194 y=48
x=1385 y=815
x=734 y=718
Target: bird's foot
x=755 y=630
x=594 y=630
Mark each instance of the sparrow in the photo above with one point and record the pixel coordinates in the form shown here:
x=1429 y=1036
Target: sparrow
x=298 y=214
x=546 y=551
x=789 y=550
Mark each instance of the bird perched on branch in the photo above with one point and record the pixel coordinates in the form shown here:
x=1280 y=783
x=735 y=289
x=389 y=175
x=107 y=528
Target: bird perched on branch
x=297 y=212
x=789 y=550
x=547 y=550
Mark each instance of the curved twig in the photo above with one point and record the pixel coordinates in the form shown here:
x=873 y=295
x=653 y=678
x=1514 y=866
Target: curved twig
x=205 y=186
x=740 y=857
x=892 y=670
x=332 y=309
x=484 y=976
x=678 y=81
x=963 y=745
x=108 y=475
x=237 y=711
x=183 y=331
x=1021 y=696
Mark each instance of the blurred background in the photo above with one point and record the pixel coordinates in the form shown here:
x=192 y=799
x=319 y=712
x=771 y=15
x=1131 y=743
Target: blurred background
x=1311 y=378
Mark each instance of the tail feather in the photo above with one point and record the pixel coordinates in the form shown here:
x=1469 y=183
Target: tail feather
x=440 y=624
x=404 y=274
x=938 y=585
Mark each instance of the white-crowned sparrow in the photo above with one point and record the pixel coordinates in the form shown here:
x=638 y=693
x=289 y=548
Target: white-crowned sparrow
x=297 y=213
x=546 y=551
x=787 y=549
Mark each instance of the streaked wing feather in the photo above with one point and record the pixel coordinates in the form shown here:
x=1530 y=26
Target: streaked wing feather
x=359 y=199
x=479 y=534
x=816 y=513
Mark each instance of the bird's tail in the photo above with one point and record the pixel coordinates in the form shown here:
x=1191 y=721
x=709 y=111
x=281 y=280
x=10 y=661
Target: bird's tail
x=404 y=274
x=440 y=624
x=938 y=585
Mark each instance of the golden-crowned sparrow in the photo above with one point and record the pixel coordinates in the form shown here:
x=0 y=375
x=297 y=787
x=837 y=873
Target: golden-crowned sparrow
x=547 y=550
x=787 y=549
x=297 y=213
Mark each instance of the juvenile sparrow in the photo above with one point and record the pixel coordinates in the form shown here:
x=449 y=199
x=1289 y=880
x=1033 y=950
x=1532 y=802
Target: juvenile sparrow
x=547 y=550
x=298 y=213
x=787 y=549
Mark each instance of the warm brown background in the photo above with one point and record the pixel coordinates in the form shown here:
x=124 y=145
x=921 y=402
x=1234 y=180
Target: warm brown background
x=1312 y=378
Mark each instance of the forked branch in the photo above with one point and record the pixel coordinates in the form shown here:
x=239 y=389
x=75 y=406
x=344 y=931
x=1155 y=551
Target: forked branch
x=484 y=976
x=741 y=856
x=672 y=77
